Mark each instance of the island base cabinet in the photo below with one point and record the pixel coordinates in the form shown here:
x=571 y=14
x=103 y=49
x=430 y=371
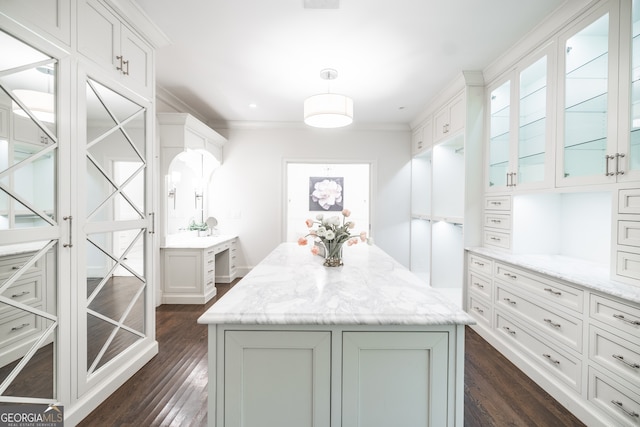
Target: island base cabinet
x=393 y=379
x=335 y=376
x=277 y=379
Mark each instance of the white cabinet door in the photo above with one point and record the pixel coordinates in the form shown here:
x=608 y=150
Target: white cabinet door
x=47 y=17
x=395 y=379
x=277 y=379
x=105 y=40
x=450 y=119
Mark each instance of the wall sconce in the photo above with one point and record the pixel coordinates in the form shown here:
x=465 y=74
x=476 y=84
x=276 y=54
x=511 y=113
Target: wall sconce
x=172 y=180
x=198 y=196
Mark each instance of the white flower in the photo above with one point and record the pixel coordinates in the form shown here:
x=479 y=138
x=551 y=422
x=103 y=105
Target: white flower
x=330 y=235
x=319 y=217
x=327 y=193
x=321 y=232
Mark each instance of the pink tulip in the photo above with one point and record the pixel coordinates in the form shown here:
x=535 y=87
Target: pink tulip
x=302 y=241
x=346 y=212
x=315 y=250
x=363 y=236
x=309 y=223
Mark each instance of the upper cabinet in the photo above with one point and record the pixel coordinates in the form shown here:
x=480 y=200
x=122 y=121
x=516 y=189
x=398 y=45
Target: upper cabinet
x=104 y=39
x=598 y=118
x=449 y=119
x=519 y=126
x=46 y=17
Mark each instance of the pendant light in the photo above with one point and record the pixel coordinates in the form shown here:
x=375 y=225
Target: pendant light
x=40 y=104
x=328 y=110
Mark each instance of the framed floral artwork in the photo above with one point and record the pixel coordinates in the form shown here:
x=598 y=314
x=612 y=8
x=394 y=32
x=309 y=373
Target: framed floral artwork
x=326 y=193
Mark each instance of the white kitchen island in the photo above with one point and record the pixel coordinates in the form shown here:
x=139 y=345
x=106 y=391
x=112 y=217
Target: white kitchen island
x=297 y=344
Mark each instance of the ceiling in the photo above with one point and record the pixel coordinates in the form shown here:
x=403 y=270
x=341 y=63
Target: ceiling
x=392 y=57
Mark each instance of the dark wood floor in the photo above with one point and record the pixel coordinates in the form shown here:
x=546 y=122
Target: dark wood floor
x=171 y=390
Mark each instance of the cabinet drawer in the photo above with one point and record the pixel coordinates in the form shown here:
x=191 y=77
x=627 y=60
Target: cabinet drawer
x=479 y=309
x=557 y=364
x=495 y=238
x=561 y=326
x=617 y=401
x=16 y=329
x=628 y=264
x=480 y=264
x=616 y=354
x=561 y=294
x=9 y=264
x=26 y=290
x=629 y=233
x=498 y=203
x=480 y=285
x=501 y=222
x=629 y=201
x=618 y=315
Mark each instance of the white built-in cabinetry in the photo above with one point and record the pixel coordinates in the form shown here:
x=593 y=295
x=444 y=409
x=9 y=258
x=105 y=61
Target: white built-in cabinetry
x=106 y=40
x=556 y=283
x=346 y=375
x=578 y=342
x=190 y=273
x=77 y=185
x=446 y=154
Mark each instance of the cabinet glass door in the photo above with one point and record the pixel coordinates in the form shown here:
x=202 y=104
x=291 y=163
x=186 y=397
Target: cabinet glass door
x=29 y=223
x=532 y=134
x=633 y=161
x=586 y=100
x=499 y=136
x=115 y=225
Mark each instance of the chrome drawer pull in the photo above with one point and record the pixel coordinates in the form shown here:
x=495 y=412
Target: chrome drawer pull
x=17 y=328
x=21 y=294
x=16 y=267
x=510 y=301
x=495 y=239
x=480 y=285
x=509 y=331
x=511 y=276
x=551 y=291
x=620 y=358
x=550 y=359
x=478 y=309
x=478 y=263
x=631 y=322
x=628 y=412
x=550 y=322
x=496 y=203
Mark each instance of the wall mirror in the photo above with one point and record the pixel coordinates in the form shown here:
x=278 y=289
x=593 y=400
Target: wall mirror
x=28 y=183
x=115 y=243
x=187 y=184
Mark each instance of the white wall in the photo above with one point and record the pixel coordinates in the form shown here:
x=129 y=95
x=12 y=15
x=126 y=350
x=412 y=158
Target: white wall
x=246 y=191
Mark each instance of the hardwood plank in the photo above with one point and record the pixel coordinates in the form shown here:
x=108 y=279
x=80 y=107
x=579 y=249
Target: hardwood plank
x=171 y=390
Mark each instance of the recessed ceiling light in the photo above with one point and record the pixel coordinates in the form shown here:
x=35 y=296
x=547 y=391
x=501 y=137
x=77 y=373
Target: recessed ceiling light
x=253 y=105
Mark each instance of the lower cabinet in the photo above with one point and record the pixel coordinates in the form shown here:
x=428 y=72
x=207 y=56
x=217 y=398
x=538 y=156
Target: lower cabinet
x=336 y=376
x=189 y=275
x=273 y=376
x=388 y=379
x=581 y=345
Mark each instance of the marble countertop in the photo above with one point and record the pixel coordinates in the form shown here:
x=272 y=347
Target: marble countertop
x=192 y=241
x=584 y=273
x=291 y=286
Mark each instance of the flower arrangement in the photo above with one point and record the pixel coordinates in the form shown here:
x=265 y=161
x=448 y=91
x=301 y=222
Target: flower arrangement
x=332 y=233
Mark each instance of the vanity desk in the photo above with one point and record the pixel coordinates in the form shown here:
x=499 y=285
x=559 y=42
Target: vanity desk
x=192 y=265
x=295 y=344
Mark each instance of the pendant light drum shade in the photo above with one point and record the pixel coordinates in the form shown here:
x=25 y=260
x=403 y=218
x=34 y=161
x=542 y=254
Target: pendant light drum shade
x=328 y=110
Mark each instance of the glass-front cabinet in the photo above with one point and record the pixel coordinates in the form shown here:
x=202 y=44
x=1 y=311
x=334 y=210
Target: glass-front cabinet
x=519 y=128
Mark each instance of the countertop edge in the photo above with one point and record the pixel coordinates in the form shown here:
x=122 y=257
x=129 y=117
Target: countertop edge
x=592 y=277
